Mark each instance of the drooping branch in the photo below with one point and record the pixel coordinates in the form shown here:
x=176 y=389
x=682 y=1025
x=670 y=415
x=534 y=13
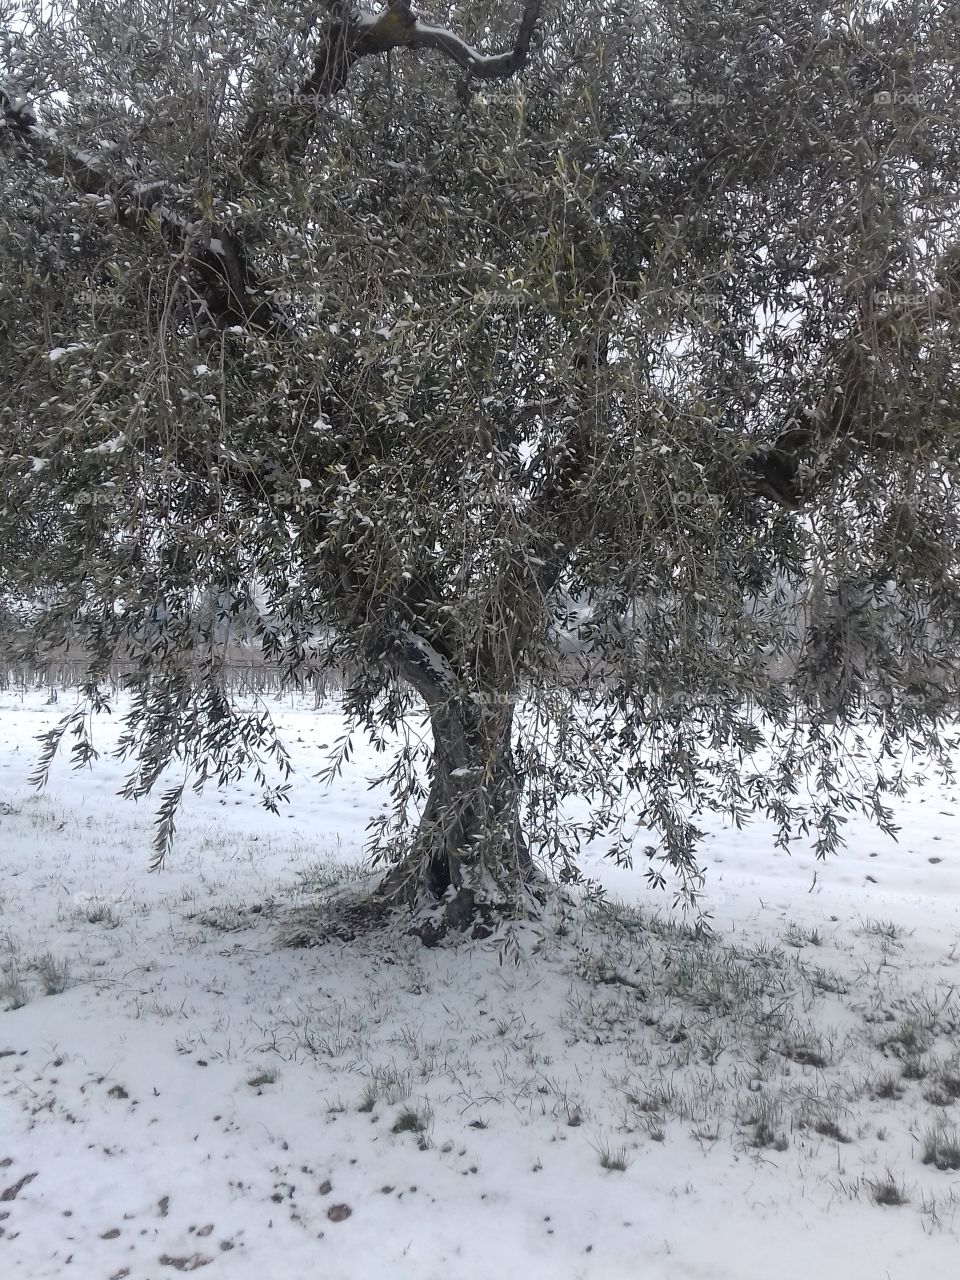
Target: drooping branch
x=812 y=443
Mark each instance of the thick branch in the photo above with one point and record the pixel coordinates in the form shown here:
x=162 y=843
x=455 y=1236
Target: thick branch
x=230 y=290
x=346 y=42
x=497 y=66
x=422 y=666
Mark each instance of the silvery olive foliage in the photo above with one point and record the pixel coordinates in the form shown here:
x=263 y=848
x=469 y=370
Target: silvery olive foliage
x=581 y=378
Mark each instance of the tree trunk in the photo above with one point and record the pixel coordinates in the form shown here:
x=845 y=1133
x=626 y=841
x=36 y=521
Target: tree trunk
x=469 y=852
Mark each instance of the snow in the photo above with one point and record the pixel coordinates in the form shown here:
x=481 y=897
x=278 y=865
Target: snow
x=363 y=20
x=57 y=353
x=192 y=1098
x=118 y=443
x=425 y=651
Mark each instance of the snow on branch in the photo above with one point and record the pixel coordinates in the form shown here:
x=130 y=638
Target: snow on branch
x=398 y=26
x=421 y=664
x=228 y=286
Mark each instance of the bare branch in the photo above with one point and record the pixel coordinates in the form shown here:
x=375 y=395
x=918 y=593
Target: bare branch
x=498 y=66
x=362 y=35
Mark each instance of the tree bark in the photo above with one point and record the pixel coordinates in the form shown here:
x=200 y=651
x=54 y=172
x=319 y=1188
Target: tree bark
x=469 y=852
x=471 y=823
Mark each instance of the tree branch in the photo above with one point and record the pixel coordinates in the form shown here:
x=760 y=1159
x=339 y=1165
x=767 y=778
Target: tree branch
x=360 y=35
x=497 y=66
x=777 y=471
x=231 y=291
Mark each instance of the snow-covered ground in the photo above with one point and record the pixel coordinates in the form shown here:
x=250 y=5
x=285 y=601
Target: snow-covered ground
x=179 y=1092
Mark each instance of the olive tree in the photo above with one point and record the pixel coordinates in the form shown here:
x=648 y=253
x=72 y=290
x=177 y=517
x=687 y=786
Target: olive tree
x=578 y=375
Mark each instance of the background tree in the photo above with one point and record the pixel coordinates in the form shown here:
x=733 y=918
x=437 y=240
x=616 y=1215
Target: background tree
x=525 y=364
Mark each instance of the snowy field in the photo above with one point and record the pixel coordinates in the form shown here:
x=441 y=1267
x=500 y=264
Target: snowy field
x=180 y=1092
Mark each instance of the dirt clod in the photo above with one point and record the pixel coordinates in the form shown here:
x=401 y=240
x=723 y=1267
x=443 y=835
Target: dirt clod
x=14 y=1190
x=191 y=1263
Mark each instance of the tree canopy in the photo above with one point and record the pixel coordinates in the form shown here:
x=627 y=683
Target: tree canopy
x=530 y=363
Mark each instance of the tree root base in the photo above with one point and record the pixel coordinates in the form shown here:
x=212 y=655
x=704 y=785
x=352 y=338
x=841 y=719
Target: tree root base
x=461 y=915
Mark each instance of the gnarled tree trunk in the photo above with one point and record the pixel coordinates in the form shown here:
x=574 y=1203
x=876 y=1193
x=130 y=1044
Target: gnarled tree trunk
x=470 y=830
x=469 y=851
